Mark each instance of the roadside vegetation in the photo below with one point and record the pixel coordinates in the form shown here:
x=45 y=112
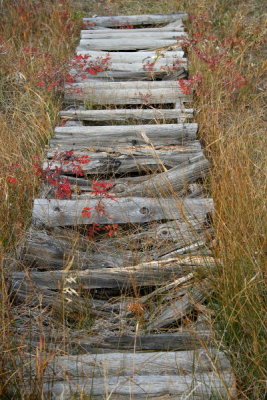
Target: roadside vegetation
x=228 y=75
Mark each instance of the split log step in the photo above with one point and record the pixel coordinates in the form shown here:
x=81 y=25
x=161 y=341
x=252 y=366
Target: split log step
x=122 y=136
x=143 y=275
x=125 y=114
x=105 y=163
x=135 y=20
x=130 y=57
x=126 y=44
x=148 y=387
x=124 y=210
x=132 y=92
x=134 y=34
x=141 y=364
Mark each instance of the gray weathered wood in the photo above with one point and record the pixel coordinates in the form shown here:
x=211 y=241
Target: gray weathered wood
x=133 y=34
x=203 y=386
x=142 y=275
x=97 y=85
x=126 y=44
x=122 y=136
x=57 y=250
x=129 y=92
x=107 y=164
x=124 y=114
x=176 y=309
x=169 y=56
x=145 y=19
x=120 y=211
x=137 y=364
x=173 y=180
x=178 y=27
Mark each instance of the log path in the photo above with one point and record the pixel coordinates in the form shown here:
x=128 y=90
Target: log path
x=138 y=281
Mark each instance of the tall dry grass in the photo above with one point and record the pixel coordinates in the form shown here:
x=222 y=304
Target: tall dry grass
x=231 y=121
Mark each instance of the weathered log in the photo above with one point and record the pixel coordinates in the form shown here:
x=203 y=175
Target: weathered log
x=173 y=180
x=142 y=275
x=137 y=364
x=192 y=146
x=95 y=84
x=121 y=136
x=126 y=44
x=145 y=19
x=106 y=163
x=122 y=211
x=143 y=387
x=178 y=27
x=124 y=114
x=132 y=35
x=174 y=310
x=54 y=251
x=120 y=76
x=130 y=92
x=132 y=57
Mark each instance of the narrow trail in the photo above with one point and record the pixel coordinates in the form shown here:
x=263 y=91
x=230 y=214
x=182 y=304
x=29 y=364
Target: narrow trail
x=125 y=168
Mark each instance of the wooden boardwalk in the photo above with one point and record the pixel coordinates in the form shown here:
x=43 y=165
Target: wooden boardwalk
x=126 y=167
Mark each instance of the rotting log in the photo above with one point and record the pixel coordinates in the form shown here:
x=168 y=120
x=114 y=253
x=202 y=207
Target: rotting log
x=147 y=274
x=173 y=180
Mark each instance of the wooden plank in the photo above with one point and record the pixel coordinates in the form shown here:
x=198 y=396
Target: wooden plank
x=124 y=114
x=97 y=85
x=181 y=340
x=173 y=180
x=133 y=34
x=204 y=386
x=117 y=76
x=105 y=163
x=123 y=136
x=144 y=19
x=122 y=211
x=192 y=146
x=154 y=273
x=133 y=57
x=158 y=67
x=125 y=96
x=179 y=27
x=141 y=364
x=126 y=44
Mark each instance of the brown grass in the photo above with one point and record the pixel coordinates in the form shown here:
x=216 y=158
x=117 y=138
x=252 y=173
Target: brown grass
x=231 y=127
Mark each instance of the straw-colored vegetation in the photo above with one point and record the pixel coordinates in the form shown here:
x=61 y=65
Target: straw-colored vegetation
x=225 y=48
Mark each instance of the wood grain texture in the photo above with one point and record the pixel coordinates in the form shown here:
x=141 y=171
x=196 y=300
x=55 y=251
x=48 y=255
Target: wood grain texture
x=133 y=34
x=104 y=163
x=126 y=44
x=138 y=364
x=130 y=92
x=169 y=56
x=124 y=114
x=122 y=136
x=144 y=19
x=121 y=211
x=142 y=275
x=174 y=180
x=144 y=387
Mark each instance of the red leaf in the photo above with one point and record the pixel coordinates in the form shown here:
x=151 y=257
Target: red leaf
x=86 y=213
